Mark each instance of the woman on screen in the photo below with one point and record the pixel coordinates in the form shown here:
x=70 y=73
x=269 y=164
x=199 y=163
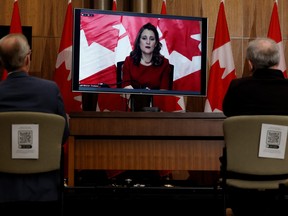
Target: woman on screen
x=145 y=67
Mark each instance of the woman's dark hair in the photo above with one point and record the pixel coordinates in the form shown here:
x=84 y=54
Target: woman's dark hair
x=157 y=58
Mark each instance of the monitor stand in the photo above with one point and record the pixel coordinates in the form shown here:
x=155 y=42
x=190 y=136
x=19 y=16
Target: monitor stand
x=142 y=103
x=151 y=109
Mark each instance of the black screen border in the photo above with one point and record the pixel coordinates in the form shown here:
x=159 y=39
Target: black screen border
x=76 y=54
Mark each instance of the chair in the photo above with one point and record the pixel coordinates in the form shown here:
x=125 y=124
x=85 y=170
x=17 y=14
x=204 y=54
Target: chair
x=119 y=75
x=51 y=128
x=245 y=173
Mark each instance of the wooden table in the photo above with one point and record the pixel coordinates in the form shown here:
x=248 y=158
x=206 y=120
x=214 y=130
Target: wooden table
x=144 y=141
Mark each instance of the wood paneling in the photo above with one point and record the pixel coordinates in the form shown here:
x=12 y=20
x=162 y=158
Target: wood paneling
x=246 y=20
x=145 y=141
x=147 y=154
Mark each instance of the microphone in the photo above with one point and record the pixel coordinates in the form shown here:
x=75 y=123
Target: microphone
x=103 y=85
x=98 y=85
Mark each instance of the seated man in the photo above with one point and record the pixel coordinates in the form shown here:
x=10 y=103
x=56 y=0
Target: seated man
x=21 y=92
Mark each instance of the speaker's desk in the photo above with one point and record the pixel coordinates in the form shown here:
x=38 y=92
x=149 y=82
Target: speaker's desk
x=144 y=141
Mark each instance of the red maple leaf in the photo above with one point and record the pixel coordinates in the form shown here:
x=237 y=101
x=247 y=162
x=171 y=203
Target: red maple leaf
x=101 y=29
x=177 y=34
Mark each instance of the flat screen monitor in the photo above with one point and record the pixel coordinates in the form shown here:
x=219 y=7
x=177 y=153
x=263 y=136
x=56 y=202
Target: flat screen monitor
x=102 y=39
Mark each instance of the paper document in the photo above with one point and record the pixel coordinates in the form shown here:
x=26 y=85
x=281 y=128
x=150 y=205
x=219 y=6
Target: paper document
x=25 y=141
x=273 y=141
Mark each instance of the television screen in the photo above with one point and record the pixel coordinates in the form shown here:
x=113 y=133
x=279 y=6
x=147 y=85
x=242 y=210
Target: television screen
x=103 y=39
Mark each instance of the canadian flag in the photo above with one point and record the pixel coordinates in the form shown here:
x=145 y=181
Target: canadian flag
x=62 y=75
x=274 y=33
x=112 y=102
x=222 y=69
x=15 y=27
x=169 y=103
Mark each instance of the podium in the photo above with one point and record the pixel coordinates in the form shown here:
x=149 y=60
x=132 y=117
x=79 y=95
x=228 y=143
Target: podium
x=144 y=141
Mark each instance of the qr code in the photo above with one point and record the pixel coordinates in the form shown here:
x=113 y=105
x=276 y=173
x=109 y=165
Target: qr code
x=273 y=139
x=25 y=139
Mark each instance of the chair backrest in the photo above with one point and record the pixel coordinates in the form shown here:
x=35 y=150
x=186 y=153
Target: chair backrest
x=51 y=128
x=119 y=75
x=242 y=139
x=171 y=77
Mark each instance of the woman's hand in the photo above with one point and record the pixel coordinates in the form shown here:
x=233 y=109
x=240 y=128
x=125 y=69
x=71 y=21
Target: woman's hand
x=128 y=87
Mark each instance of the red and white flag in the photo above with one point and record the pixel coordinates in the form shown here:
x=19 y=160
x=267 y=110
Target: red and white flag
x=168 y=103
x=62 y=75
x=15 y=26
x=274 y=33
x=222 y=69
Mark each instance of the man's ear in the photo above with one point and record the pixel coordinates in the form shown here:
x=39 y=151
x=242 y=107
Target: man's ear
x=251 y=67
x=27 y=60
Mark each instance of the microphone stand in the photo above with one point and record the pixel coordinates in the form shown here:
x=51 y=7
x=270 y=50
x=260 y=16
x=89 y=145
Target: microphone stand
x=142 y=103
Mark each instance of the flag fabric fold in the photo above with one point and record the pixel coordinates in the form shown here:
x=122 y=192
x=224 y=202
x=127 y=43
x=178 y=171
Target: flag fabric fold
x=222 y=69
x=114 y=6
x=163 y=8
x=15 y=27
x=274 y=33
x=62 y=75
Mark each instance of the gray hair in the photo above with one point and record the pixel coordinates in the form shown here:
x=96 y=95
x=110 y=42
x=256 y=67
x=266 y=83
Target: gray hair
x=13 y=50
x=263 y=53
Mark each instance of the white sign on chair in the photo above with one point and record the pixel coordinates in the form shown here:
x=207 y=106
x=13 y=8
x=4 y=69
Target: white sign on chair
x=25 y=141
x=273 y=141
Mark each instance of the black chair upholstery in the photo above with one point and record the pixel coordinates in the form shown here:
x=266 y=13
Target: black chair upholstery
x=119 y=74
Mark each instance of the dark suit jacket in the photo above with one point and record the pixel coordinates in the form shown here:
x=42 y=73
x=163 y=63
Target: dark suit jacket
x=265 y=92
x=20 y=92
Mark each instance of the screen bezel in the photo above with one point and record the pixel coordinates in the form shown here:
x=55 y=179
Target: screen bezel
x=76 y=87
